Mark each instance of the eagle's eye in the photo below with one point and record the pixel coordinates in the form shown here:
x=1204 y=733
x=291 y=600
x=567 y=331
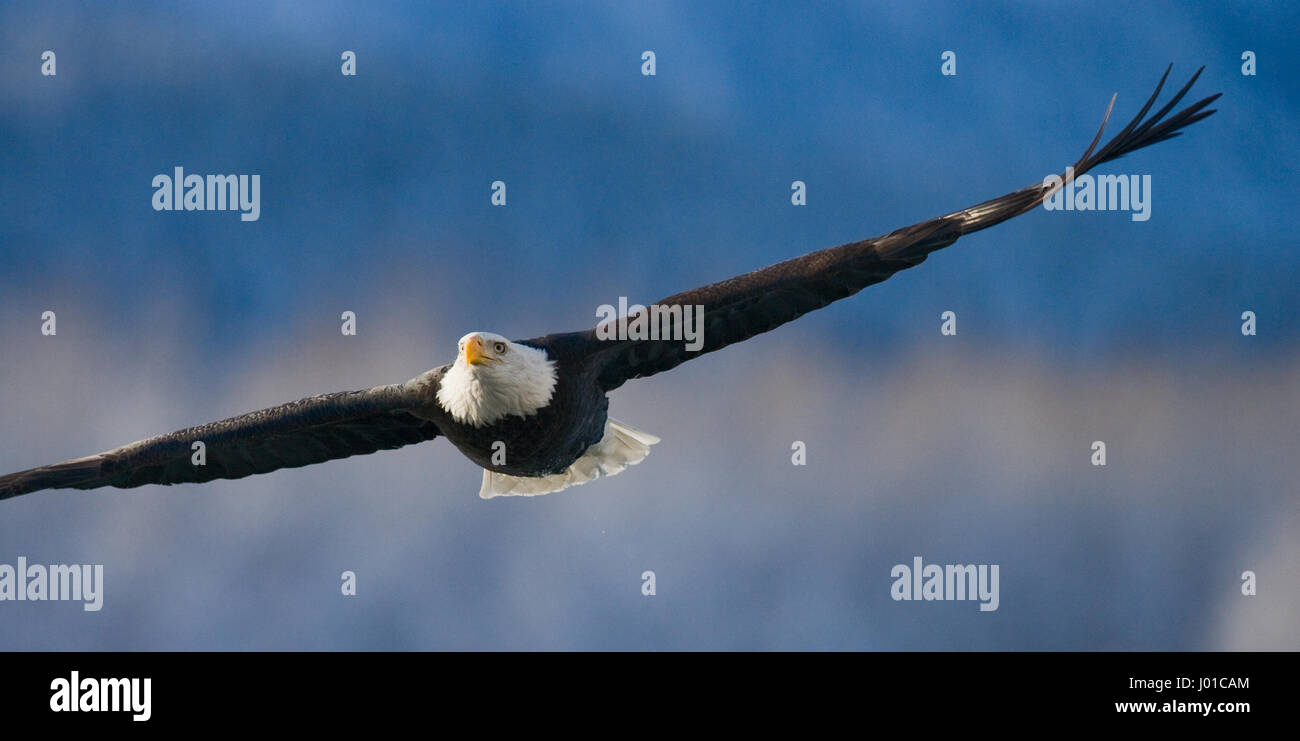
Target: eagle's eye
x=500 y=347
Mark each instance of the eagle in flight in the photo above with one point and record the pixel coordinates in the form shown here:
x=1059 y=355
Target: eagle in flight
x=534 y=413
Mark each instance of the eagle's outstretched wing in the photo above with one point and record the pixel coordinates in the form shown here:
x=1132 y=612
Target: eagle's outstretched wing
x=741 y=307
x=300 y=433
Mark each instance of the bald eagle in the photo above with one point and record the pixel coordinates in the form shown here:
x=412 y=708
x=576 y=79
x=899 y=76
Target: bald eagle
x=534 y=413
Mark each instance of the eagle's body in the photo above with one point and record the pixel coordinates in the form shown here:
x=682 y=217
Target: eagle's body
x=539 y=425
x=545 y=442
x=534 y=413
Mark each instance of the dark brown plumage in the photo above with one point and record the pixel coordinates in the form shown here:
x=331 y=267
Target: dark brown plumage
x=741 y=307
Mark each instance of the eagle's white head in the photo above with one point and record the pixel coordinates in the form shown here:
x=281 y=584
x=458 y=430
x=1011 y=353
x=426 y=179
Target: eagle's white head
x=493 y=378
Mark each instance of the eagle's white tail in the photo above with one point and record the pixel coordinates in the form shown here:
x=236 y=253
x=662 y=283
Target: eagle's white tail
x=620 y=447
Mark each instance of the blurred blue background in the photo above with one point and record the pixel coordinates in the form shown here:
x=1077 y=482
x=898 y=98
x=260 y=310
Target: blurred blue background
x=1073 y=326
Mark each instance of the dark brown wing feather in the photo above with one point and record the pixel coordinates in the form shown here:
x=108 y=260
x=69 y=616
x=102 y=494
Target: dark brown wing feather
x=300 y=433
x=741 y=307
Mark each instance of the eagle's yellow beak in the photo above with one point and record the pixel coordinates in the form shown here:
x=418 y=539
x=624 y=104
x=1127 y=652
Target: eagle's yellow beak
x=474 y=354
